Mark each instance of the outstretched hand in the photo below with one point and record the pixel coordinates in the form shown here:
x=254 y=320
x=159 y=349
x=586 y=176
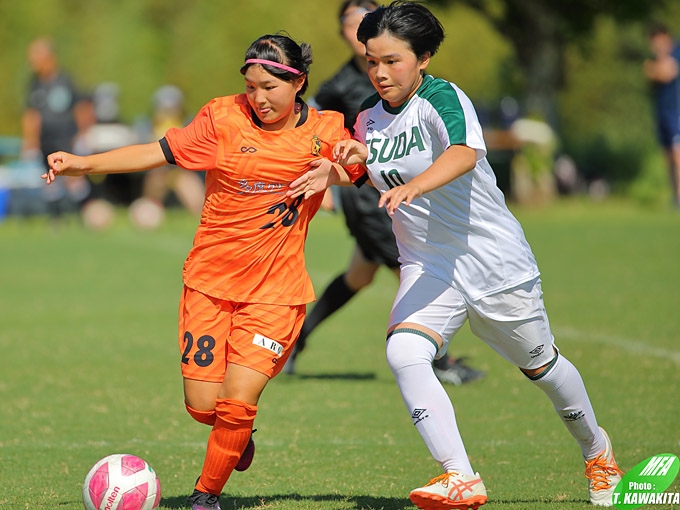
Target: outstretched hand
x=405 y=193
x=63 y=163
x=321 y=177
x=350 y=152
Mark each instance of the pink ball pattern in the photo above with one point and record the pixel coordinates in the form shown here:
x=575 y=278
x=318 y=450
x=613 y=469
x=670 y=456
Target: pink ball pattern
x=129 y=465
x=121 y=482
x=99 y=484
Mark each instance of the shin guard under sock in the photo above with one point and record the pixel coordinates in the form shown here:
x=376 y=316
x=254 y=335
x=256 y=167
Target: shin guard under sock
x=227 y=441
x=206 y=417
x=410 y=354
x=562 y=382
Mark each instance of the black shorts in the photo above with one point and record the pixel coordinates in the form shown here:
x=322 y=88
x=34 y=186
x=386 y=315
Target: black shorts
x=370 y=225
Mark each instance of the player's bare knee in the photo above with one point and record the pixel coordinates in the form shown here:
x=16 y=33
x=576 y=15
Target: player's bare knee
x=357 y=280
x=536 y=373
x=200 y=395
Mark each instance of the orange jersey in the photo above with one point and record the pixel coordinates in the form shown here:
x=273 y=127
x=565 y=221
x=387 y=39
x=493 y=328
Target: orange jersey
x=249 y=245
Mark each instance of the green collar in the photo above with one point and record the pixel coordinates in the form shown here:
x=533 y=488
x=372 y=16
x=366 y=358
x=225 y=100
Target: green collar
x=396 y=111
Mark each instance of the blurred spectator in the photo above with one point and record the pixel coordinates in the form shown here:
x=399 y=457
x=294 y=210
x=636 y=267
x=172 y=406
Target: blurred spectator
x=532 y=176
x=662 y=71
x=107 y=133
x=55 y=112
x=161 y=183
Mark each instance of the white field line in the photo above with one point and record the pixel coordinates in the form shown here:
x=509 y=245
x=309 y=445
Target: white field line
x=631 y=345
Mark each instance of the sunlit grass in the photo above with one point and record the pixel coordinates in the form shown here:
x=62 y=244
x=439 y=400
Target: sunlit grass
x=90 y=367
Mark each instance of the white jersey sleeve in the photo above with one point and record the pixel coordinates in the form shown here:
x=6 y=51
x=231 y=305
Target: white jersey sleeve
x=454 y=118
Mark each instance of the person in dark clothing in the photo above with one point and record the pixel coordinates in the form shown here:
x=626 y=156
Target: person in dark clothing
x=662 y=71
x=370 y=225
x=56 y=111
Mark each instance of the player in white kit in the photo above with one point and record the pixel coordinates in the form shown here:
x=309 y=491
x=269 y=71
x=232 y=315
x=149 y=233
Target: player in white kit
x=463 y=255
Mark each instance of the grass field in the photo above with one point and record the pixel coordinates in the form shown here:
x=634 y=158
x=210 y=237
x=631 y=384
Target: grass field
x=90 y=367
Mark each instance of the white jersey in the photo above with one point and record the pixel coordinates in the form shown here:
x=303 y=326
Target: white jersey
x=462 y=232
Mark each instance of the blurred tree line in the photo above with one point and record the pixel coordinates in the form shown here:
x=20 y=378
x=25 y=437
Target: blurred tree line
x=573 y=63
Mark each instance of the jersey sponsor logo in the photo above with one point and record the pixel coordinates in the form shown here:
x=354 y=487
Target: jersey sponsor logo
x=255 y=187
x=248 y=149
x=369 y=123
x=268 y=343
x=384 y=150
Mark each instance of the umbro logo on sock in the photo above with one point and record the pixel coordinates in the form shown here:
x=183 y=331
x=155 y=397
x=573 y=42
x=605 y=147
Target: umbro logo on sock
x=419 y=415
x=574 y=416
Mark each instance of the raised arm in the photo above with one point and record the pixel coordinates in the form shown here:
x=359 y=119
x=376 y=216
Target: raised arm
x=133 y=158
x=455 y=161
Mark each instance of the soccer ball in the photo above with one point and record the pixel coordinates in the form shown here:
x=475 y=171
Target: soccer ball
x=121 y=482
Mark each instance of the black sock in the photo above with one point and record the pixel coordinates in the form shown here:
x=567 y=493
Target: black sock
x=333 y=298
x=442 y=363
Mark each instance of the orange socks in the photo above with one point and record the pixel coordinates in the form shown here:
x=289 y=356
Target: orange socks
x=207 y=417
x=227 y=441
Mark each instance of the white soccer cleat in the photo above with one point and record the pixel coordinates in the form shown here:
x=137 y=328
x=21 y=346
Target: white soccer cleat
x=603 y=475
x=450 y=490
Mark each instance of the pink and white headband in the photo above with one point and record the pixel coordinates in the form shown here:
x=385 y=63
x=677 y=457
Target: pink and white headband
x=273 y=64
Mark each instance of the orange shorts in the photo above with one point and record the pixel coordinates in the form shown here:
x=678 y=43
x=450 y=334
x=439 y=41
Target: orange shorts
x=214 y=332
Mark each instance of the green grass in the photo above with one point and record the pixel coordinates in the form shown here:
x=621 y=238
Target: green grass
x=90 y=367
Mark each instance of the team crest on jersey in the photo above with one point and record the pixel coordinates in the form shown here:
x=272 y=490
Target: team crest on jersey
x=316 y=145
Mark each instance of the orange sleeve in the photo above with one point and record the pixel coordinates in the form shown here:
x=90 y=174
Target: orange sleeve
x=194 y=147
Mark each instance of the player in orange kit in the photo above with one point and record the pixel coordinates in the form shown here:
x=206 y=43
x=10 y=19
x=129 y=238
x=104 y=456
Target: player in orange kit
x=245 y=282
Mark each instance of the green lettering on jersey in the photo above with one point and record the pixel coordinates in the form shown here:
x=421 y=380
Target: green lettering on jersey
x=416 y=141
x=384 y=150
x=400 y=149
x=382 y=158
x=372 y=151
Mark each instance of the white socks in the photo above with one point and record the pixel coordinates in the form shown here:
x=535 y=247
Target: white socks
x=564 y=387
x=410 y=354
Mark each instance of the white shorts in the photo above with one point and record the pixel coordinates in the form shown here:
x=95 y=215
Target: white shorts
x=512 y=322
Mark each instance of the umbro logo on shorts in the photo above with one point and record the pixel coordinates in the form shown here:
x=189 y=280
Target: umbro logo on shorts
x=250 y=150
x=537 y=351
